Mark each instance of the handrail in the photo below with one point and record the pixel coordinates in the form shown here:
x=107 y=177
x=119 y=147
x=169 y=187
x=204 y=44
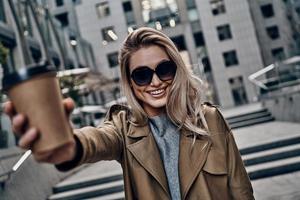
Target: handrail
x=286 y=73
x=6 y=175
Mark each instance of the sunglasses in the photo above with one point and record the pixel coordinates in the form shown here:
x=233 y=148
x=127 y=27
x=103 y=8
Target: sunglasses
x=143 y=75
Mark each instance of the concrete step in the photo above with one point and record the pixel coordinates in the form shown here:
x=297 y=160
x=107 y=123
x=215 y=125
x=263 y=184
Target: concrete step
x=88 y=181
x=270 y=145
x=115 y=196
x=245 y=115
x=274 y=168
x=89 y=192
x=272 y=155
x=249 y=116
x=251 y=122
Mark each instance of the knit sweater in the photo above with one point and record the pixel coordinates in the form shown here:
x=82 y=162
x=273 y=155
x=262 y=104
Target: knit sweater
x=167 y=136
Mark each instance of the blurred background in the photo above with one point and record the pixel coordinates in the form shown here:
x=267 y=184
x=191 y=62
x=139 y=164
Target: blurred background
x=245 y=51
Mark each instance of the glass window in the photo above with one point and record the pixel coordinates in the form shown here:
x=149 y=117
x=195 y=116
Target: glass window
x=109 y=34
x=160 y=14
x=112 y=59
x=193 y=15
x=127 y=7
x=230 y=58
x=2 y=12
x=238 y=90
x=59 y=3
x=298 y=11
x=9 y=66
x=224 y=32
x=130 y=20
x=206 y=64
x=267 y=10
x=199 y=40
x=278 y=53
x=196 y=27
x=63 y=18
x=217 y=7
x=129 y=15
x=190 y=4
x=273 y=32
x=102 y=9
x=179 y=41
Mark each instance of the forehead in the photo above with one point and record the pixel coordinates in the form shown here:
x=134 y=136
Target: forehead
x=147 y=56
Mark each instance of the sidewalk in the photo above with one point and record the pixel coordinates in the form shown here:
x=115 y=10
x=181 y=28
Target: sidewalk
x=282 y=187
x=239 y=110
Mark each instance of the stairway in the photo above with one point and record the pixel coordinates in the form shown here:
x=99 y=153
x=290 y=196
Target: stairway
x=271 y=159
x=254 y=117
x=106 y=186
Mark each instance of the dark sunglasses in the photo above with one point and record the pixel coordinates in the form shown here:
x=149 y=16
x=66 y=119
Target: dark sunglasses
x=143 y=75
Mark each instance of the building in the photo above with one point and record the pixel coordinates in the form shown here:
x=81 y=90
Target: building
x=273 y=28
x=222 y=41
x=66 y=48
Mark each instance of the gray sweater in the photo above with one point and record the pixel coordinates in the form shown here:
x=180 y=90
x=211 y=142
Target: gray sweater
x=167 y=139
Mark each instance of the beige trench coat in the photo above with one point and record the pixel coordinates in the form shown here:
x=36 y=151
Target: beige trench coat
x=212 y=169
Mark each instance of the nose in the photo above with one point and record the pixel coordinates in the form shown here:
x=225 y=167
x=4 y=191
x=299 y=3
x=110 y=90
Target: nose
x=155 y=81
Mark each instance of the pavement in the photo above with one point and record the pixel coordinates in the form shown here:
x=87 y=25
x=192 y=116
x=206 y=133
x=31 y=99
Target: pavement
x=282 y=187
x=239 y=110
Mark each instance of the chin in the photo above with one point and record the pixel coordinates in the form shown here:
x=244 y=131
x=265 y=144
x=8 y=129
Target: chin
x=159 y=104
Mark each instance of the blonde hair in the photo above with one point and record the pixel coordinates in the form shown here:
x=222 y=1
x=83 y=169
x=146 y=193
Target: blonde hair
x=184 y=103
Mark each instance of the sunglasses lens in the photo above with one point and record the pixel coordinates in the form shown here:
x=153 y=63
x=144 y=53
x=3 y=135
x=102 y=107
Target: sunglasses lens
x=142 y=76
x=166 y=70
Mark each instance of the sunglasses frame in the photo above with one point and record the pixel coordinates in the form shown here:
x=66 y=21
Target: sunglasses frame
x=154 y=71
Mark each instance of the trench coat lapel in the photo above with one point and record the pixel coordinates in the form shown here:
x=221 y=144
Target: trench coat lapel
x=147 y=154
x=191 y=160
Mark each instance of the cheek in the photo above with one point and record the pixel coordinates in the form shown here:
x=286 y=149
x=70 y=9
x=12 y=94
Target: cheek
x=137 y=91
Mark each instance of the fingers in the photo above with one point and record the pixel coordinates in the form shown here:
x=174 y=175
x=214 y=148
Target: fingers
x=28 y=138
x=68 y=105
x=9 y=109
x=19 y=124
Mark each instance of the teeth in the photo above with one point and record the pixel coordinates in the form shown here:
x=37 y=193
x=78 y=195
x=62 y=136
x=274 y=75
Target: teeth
x=156 y=92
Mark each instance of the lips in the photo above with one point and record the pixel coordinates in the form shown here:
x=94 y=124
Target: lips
x=157 y=93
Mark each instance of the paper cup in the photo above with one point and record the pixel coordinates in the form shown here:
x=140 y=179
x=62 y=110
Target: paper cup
x=35 y=92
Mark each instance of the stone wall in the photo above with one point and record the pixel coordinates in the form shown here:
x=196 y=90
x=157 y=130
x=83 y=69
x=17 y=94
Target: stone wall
x=284 y=104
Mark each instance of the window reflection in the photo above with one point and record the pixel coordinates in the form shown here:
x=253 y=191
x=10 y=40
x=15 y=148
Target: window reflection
x=159 y=14
x=2 y=13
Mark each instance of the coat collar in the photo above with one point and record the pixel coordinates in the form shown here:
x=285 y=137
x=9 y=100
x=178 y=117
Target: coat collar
x=147 y=154
x=191 y=158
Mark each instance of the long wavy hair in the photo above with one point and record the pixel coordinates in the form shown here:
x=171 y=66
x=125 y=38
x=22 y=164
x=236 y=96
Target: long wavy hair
x=184 y=99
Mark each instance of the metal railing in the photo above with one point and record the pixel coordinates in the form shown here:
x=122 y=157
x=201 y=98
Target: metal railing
x=5 y=176
x=278 y=75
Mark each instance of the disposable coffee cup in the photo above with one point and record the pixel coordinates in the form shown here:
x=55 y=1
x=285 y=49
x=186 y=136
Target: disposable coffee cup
x=35 y=92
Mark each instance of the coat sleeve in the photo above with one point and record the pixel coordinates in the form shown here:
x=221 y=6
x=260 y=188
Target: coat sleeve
x=98 y=143
x=239 y=182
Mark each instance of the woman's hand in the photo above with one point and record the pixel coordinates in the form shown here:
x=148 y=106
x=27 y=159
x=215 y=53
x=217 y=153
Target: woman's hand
x=28 y=135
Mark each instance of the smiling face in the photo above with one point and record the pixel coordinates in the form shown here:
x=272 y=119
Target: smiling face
x=154 y=95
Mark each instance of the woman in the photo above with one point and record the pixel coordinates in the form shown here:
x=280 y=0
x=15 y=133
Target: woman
x=169 y=143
